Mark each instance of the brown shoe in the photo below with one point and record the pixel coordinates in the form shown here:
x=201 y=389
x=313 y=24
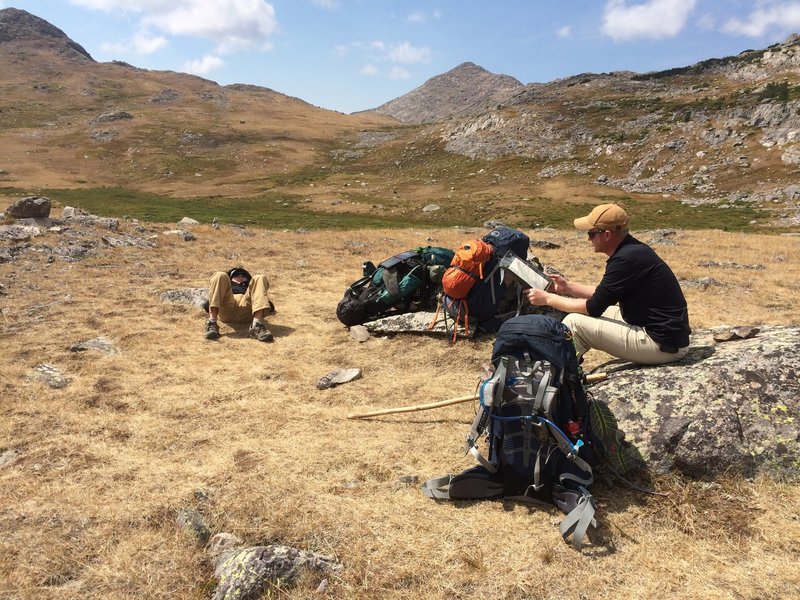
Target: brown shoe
x=260 y=332
x=212 y=330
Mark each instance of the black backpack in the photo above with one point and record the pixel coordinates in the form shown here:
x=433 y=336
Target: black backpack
x=536 y=415
x=399 y=284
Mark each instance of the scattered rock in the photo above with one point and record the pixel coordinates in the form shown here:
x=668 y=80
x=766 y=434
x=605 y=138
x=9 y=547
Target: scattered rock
x=119 y=115
x=192 y=296
x=193 y=523
x=244 y=573
x=19 y=233
x=359 y=333
x=69 y=212
x=338 y=377
x=431 y=208
x=84 y=219
x=741 y=333
x=8 y=457
x=187 y=236
x=188 y=221
x=165 y=96
x=408 y=480
x=101 y=343
x=126 y=240
x=545 y=245
x=50 y=375
x=701 y=282
x=731 y=265
x=493 y=224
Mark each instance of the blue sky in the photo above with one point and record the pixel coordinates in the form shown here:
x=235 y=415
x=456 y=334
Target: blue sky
x=351 y=55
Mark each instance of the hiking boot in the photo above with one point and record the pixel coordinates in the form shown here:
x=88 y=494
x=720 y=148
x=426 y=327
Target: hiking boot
x=212 y=330
x=260 y=332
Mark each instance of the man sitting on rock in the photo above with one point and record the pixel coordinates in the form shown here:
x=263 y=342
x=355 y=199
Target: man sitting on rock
x=238 y=297
x=637 y=312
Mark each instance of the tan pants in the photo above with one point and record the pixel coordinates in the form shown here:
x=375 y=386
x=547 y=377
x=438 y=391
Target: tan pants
x=614 y=336
x=238 y=308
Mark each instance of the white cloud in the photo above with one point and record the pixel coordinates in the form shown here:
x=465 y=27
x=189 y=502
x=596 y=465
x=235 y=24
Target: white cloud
x=144 y=43
x=204 y=65
x=407 y=54
x=564 y=31
x=326 y=4
x=380 y=57
x=379 y=51
x=141 y=43
x=230 y=24
x=768 y=17
x=707 y=22
x=418 y=17
x=652 y=19
x=399 y=73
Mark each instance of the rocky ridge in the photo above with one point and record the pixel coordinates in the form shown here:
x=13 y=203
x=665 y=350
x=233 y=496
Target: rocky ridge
x=721 y=130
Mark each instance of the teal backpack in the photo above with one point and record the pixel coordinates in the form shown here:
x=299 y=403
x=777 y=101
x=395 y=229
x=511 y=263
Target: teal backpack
x=401 y=283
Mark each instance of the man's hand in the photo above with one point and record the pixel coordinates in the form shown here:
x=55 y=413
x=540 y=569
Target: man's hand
x=537 y=297
x=559 y=283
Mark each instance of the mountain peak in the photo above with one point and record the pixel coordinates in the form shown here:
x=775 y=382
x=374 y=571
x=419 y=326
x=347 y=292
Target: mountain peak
x=464 y=90
x=19 y=26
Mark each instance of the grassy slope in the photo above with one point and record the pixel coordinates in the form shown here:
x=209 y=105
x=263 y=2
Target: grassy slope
x=254 y=156
x=88 y=509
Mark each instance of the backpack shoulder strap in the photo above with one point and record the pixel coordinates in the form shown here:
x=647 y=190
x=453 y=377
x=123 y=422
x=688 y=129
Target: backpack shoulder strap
x=433 y=487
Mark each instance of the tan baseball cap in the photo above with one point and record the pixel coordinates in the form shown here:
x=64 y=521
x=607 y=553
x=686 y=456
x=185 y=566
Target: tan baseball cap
x=609 y=217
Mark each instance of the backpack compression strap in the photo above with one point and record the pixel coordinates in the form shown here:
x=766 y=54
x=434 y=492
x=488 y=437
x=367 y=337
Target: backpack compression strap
x=579 y=518
x=490 y=389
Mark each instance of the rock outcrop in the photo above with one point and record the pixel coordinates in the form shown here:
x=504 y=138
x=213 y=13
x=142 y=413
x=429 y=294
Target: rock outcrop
x=727 y=408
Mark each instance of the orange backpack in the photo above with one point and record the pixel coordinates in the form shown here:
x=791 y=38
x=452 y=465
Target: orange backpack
x=466 y=268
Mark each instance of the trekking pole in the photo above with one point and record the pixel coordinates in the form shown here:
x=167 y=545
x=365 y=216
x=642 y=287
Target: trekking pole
x=405 y=409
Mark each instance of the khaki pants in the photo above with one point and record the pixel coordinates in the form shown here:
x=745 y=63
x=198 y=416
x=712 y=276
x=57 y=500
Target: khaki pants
x=614 y=336
x=238 y=308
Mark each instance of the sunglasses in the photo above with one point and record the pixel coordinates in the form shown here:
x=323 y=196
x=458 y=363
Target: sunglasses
x=593 y=233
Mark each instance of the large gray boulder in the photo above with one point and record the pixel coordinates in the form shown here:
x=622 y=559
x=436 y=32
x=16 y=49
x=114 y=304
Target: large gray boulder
x=35 y=207
x=731 y=407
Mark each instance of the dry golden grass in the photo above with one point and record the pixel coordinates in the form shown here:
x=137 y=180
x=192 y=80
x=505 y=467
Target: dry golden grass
x=88 y=509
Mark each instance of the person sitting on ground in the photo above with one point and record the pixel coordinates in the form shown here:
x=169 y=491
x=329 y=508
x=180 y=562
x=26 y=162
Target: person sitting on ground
x=238 y=297
x=637 y=312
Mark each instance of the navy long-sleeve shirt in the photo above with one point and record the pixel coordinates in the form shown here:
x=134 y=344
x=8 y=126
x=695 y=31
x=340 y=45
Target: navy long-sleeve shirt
x=647 y=291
